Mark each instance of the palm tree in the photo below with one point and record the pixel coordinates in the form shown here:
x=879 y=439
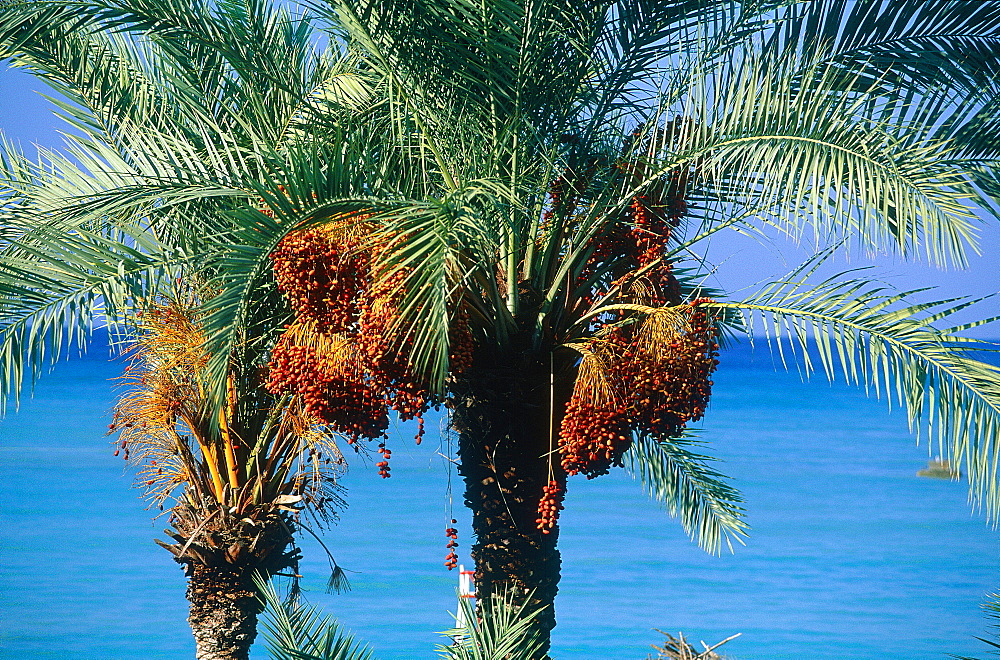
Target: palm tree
x=537 y=262
x=133 y=225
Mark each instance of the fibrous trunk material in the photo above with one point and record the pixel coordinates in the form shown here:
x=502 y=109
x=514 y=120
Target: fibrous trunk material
x=504 y=418
x=224 y=608
x=221 y=551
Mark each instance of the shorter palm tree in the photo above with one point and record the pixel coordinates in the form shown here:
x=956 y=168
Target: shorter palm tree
x=237 y=479
x=137 y=228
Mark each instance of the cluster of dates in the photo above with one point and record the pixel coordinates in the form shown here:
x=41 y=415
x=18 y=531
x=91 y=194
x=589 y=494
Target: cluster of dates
x=451 y=560
x=653 y=382
x=550 y=505
x=341 y=355
x=655 y=393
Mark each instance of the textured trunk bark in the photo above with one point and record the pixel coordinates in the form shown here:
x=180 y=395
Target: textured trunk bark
x=221 y=551
x=503 y=418
x=224 y=608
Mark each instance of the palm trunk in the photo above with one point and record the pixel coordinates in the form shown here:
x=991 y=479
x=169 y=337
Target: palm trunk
x=221 y=551
x=224 y=608
x=503 y=418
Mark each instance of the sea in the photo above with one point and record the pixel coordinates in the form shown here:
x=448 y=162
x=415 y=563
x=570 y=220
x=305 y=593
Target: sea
x=850 y=555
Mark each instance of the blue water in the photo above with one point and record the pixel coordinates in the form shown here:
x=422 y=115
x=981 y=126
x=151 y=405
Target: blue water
x=850 y=555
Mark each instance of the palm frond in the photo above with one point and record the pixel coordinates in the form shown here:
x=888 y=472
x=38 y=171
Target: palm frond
x=992 y=610
x=862 y=332
x=681 y=480
x=503 y=627
x=298 y=631
x=897 y=43
x=447 y=244
x=844 y=164
x=55 y=287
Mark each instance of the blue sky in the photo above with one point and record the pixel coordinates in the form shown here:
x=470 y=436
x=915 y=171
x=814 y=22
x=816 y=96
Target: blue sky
x=27 y=118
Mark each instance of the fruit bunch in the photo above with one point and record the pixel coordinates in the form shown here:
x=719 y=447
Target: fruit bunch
x=461 y=343
x=593 y=435
x=341 y=400
x=383 y=465
x=386 y=352
x=639 y=243
x=321 y=277
x=451 y=561
x=671 y=387
x=639 y=239
x=650 y=231
x=647 y=387
x=550 y=506
x=651 y=384
x=325 y=273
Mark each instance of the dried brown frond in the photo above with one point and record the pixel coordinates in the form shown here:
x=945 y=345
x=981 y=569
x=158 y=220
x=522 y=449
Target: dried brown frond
x=170 y=339
x=208 y=534
x=663 y=327
x=164 y=406
x=678 y=648
x=593 y=383
x=168 y=428
x=338 y=353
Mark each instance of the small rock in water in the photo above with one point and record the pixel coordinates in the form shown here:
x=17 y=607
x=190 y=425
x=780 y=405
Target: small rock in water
x=938 y=469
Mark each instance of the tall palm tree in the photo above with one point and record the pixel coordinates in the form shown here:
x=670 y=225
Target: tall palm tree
x=508 y=221
x=538 y=262
x=132 y=226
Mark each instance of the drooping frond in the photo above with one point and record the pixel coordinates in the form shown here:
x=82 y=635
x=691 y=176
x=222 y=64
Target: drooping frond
x=858 y=330
x=241 y=322
x=708 y=508
x=897 y=43
x=438 y=249
x=814 y=157
x=55 y=287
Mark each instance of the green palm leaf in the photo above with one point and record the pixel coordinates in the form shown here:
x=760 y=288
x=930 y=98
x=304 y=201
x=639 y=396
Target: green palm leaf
x=501 y=628
x=841 y=164
x=867 y=335
x=681 y=480
x=56 y=286
x=897 y=43
x=297 y=631
x=992 y=609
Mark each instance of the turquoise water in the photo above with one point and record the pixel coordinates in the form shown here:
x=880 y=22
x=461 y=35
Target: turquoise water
x=850 y=555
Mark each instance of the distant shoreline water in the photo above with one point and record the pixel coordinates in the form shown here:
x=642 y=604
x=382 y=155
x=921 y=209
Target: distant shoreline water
x=850 y=554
